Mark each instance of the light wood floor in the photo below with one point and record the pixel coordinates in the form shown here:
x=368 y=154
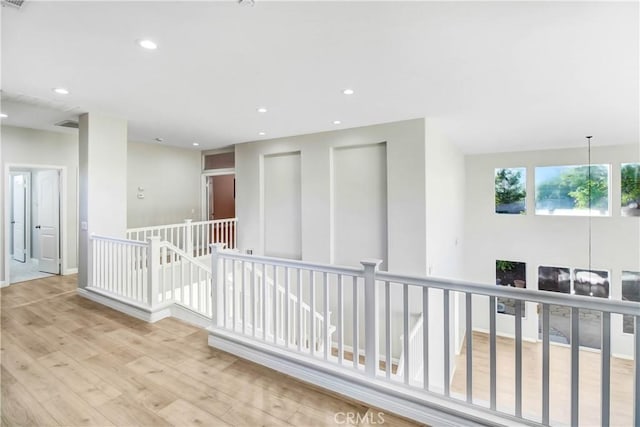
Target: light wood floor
x=560 y=381
x=68 y=361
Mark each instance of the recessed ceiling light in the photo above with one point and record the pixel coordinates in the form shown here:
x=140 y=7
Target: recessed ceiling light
x=195 y=144
x=159 y=139
x=348 y=92
x=262 y=133
x=61 y=91
x=3 y=115
x=148 y=44
x=336 y=122
x=262 y=110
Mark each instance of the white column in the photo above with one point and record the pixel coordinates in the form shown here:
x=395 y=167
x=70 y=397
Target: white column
x=102 y=182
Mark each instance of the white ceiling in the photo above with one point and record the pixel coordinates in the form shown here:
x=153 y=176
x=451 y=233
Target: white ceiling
x=497 y=76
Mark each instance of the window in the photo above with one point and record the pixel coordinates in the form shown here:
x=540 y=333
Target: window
x=510 y=190
x=630 y=191
x=572 y=190
x=219 y=161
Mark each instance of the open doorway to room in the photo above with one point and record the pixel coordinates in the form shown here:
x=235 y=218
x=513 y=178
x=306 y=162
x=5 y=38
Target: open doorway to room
x=33 y=208
x=219 y=181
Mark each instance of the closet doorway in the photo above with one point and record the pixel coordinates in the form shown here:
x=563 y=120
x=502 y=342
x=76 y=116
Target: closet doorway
x=34 y=216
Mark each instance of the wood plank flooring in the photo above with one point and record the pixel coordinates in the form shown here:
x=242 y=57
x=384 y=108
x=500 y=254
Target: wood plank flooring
x=68 y=361
x=560 y=381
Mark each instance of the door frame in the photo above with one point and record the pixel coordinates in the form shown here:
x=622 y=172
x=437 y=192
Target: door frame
x=27 y=214
x=18 y=167
x=204 y=192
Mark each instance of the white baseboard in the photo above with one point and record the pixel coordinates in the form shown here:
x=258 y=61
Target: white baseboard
x=4 y=284
x=421 y=406
x=69 y=271
x=180 y=312
x=130 y=308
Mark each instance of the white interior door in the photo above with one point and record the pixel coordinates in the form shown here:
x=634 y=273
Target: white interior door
x=48 y=222
x=18 y=218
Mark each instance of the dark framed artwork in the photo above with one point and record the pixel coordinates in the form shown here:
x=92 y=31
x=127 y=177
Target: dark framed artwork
x=630 y=292
x=514 y=274
x=554 y=279
x=592 y=283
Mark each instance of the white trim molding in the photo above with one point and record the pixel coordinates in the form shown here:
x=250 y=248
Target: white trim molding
x=420 y=406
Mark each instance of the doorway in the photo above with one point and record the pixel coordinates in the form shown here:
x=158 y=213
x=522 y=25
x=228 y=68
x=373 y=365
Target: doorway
x=33 y=243
x=221 y=206
x=221 y=195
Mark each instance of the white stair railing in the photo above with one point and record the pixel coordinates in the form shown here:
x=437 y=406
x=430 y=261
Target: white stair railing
x=416 y=341
x=364 y=312
x=149 y=273
x=194 y=238
x=262 y=298
x=184 y=280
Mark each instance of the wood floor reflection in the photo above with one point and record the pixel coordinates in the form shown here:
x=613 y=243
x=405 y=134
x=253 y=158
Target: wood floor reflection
x=560 y=380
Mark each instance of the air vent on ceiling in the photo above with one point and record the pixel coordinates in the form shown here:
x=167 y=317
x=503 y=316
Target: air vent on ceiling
x=68 y=124
x=13 y=3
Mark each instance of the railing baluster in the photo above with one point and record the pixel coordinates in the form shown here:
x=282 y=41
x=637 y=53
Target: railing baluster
x=244 y=297
x=387 y=328
x=356 y=328
x=312 y=311
x=325 y=323
x=636 y=372
x=340 y=321
x=605 y=376
x=447 y=340
x=274 y=295
x=575 y=365
x=492 y=352
x=425 y=337
x=545 y=364
x=254 y=307
x=299 y=331
x=264 y=302
x=518 y=331
x=469 y=344
x=233 y=295
x=287 y=290
x=223 y=283
x=405 y=331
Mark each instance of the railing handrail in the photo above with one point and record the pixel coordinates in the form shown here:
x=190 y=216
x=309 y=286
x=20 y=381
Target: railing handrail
x=531 y=295
x=281 y=288
x=183 y=254
x=283 y=262
x=118 y=240
x=180 y=224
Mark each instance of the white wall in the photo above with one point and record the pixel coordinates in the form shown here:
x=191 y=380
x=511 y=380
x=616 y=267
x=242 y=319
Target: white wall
x=171 y=179
x=405 y=191
x=170 y=176
x=360 y=203
x=35 y=147
x=445 y=177
x=282 y=205
x=421 y=228
x=546 y=240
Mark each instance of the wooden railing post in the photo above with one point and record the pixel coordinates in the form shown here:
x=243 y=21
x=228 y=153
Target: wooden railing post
x=217 y=285
x=188 y=237
x=371 y=327
x=153 y=273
